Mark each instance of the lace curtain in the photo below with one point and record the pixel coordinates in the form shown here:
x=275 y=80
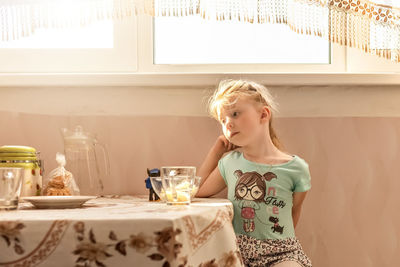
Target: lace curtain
x=373 y=26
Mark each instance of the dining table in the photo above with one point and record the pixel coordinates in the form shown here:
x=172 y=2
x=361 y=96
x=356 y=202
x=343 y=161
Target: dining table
x=121 y=231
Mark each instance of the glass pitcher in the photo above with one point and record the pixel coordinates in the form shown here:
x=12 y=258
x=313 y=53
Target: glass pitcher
x=82 y=155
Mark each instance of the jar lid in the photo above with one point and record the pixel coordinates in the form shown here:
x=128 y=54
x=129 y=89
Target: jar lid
x=17 y=151
x=23 y=149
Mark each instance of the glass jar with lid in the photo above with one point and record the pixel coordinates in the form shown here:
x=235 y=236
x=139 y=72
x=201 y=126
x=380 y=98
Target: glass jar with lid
x=27 y=158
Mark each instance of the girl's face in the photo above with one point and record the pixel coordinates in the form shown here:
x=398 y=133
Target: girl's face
x=242 y=123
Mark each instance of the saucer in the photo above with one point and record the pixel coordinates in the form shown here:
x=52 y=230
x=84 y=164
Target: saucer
x=58 y=202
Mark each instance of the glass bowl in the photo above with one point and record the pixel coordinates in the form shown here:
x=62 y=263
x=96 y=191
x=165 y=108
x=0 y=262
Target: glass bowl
x=196 y=186
x=172 y=171
x=156 y=183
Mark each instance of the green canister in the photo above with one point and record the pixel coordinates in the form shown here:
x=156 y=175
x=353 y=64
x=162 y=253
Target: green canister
x=28 y=158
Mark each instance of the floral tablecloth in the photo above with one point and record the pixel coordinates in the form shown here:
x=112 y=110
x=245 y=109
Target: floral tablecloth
x=120 y=231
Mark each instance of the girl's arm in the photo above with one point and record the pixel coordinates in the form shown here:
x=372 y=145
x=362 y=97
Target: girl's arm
x=212 y=181
x=214 y=184
x=298 y=198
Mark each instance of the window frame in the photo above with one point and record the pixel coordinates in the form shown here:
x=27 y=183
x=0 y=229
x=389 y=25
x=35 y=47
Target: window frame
x=148 y=74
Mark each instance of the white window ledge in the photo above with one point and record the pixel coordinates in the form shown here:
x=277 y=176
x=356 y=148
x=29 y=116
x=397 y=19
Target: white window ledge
x=191 y=79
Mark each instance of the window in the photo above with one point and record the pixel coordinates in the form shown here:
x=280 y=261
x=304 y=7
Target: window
x=360 y=62
x=104 y=46
x=193 y=40
x=328 y=58
x=97 y=35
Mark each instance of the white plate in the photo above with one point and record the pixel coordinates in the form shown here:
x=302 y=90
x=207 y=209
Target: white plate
x=58 y=202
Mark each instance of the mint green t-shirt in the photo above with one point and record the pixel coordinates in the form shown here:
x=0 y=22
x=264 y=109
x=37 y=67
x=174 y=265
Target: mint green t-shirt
x=261 y=194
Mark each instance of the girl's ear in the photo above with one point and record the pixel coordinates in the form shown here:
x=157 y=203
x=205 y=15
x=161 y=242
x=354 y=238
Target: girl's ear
x=265 y=113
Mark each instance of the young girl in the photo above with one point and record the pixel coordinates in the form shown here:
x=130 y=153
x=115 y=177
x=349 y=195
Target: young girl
x=265 y=185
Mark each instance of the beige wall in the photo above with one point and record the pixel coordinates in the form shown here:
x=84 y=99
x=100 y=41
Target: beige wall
x=295 y=101
x=349 y=135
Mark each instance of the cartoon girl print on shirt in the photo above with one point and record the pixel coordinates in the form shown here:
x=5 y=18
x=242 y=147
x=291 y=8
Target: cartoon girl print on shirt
x=250 y=189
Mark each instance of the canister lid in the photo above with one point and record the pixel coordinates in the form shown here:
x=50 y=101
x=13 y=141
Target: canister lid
x=23 y=149
x=18 y=151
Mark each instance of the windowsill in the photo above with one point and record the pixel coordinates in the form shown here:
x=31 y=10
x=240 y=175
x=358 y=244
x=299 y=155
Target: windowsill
x=193 y=79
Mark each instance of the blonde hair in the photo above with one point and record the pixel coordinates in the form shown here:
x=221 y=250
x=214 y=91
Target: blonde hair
x=229 y=91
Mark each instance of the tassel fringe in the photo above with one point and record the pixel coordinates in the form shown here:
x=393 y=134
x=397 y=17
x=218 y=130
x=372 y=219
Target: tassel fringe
x=361 y=24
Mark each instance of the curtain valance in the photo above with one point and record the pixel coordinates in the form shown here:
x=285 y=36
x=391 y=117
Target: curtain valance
x=373 y=26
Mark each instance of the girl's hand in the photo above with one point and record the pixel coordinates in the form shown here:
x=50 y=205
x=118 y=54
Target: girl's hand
x=222 y=145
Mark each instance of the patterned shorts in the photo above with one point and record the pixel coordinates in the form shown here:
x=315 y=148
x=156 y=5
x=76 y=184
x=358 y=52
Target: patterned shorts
x=267 y=253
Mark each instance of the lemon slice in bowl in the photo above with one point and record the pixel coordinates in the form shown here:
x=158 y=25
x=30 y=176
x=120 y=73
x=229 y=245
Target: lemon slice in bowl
x=181 y=196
